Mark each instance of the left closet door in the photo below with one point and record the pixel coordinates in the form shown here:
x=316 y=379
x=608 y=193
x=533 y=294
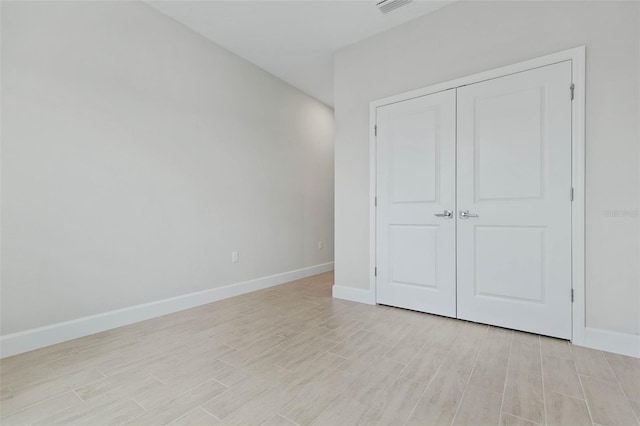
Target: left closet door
x=416 y=196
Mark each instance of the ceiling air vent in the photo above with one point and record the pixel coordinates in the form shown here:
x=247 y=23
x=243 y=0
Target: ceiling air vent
x=387 y=6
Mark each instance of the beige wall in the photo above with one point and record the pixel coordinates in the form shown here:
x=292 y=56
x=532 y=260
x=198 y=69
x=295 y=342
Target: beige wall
x=136 y=155
x=469 y=37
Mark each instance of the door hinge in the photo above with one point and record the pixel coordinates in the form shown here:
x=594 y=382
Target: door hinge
x=375 y=271
x=571 y=194
x=573 y=89
x=375 y=129
x=571 y=295
x=375 y=201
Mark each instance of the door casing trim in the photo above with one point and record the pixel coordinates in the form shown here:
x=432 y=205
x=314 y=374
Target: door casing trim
x=577 y=56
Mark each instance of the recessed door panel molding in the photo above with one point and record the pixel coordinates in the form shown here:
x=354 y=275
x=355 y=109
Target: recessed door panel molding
x=413 y=255
x=413 y=157
x=514 y=179
x=504 y=273
x=508 y=167
x=415 y=175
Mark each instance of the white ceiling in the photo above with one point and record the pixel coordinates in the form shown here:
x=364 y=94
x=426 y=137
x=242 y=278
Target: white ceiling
x=294 y=40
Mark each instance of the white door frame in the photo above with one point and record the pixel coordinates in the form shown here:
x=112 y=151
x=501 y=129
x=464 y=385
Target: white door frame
x=577 y=56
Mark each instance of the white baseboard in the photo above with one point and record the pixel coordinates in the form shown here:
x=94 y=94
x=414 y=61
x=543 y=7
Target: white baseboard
x=28 y=340
x=611 y=341
x=353 y=294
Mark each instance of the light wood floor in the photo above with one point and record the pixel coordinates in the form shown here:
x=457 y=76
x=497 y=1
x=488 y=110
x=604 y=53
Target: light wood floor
x=293 y=355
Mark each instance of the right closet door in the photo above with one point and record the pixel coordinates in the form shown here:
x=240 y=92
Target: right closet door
x=514 y=201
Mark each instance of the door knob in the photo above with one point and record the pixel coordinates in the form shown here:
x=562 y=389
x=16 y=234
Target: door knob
x=446 y=214
x=464 y=214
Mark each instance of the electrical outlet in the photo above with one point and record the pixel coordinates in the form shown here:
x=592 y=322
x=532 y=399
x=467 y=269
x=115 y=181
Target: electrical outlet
x=235 y=257
x=320 y=245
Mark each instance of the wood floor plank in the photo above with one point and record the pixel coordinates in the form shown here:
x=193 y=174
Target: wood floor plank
x=30 y=394
x=190 y=373
x=356 y=346
x=260 y=408
x=305 y=337
x=25 y=374
x=635 y=406
x=555 y=347
x=341 y=411
x=374 y=380
x=249 y=351
x=92 y=412
x=627 y=371
x=565 y=410
x=118 y=412
x=43 y=409
x=237 y=396
x=592 y=363
x=523 y=394
x=607 y=403
x=310 y=402
x=490 y=371
x=426 y=363
x=5 y=393
x=176 y=383
x=278 y=420
x=122 y=385
x=511 y=420
x=305 y=354
x=395 y=404
x=479 y=406
x=196 y=417
x=181 y=404
x=560 y=376
x=315 y=371
x=344 y=331
x=411 y=343
x=440 y=400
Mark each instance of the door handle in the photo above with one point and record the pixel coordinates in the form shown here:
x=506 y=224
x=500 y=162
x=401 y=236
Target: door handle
x=446 y=214
x=464 y=214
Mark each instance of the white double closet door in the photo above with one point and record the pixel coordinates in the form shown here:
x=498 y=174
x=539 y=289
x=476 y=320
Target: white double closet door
x=473 y=215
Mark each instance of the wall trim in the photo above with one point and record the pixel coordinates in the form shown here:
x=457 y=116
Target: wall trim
x=35 y=338
x=353 y=294
x=612 y=341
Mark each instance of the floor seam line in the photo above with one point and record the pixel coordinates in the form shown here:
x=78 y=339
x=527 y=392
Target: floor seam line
x=506 y=378
x=544 y=398
x=428 y=385
x=466 y=386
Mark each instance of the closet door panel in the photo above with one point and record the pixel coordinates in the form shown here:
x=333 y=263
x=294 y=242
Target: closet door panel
x=513 y=196
x=415 y=185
